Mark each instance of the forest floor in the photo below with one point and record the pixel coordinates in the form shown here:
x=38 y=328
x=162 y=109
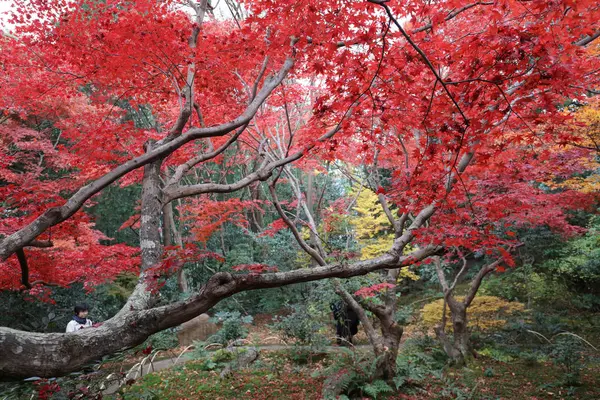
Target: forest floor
x=279 y=375
x=288 y=371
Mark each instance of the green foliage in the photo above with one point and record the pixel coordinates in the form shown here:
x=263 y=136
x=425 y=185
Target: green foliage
x=404 y=315
x=198 y=352
x=419 y=358
x=555 y=273
x=209 y=361
x=376 y=388
x=163 y=340
x=232 y=327
x=496 y=354
x=304 y=324
x=568 y=353
x=116 y=205
x=353 y=373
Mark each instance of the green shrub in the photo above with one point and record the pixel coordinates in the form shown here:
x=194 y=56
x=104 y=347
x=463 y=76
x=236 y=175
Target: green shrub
x=303 y=325
x=419 y=358
x=163 y=340
x=568 y=353
x=232 y=327
x=207 y=360
x=354 y=374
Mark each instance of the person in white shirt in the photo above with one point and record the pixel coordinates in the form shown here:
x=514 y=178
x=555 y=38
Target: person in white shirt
x=80 y=319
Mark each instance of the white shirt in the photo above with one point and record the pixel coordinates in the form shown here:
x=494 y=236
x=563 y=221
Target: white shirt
x=74 y=326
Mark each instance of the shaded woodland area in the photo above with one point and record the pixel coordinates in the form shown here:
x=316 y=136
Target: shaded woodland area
x=221 y=180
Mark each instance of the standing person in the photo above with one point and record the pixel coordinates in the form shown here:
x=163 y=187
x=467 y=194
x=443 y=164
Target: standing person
x=80 y=319
x=346 y=323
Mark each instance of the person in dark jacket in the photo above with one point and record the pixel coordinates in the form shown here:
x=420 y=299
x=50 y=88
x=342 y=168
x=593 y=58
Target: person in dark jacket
x=80 y=319
x=346 y=322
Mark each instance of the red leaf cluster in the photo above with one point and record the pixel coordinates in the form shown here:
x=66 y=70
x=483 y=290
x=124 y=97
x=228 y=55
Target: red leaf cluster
x=373 y=290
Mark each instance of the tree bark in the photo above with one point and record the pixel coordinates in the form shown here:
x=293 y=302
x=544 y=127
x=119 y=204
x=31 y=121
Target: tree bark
x=458 y=348
x=150 y=236
x=391 y=334
x=173 y=236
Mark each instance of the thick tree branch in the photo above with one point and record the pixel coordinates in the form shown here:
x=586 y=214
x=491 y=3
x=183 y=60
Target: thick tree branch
x=55 y=215
x=261 y=174
x=25 y=354
x=476 y=282
x=588 y=39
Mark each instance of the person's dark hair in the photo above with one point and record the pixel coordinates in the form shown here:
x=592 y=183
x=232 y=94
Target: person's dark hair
x=81 y=307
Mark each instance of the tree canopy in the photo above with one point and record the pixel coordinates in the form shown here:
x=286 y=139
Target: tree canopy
x=458 y=117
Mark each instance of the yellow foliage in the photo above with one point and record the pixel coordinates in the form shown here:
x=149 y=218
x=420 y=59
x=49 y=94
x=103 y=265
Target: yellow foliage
x=407 y=274
x=373 y=230
x=587 y=126
x=485 y=312
x=371 y=219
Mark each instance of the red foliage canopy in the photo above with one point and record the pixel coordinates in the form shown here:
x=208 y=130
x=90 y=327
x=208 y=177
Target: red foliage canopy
x=421 y=88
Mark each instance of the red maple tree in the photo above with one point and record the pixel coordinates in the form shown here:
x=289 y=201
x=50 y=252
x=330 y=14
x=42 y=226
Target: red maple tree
x=458 y=99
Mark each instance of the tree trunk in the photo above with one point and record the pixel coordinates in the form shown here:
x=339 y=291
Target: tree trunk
x=150 y=236
x=391 y=334
x=459 y=347
x=173 y=236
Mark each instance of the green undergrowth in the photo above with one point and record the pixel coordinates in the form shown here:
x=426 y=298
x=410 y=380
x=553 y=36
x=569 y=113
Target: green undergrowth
x=272 y=377
x=279 y=375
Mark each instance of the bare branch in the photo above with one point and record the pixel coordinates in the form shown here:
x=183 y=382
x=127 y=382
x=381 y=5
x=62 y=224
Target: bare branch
x=460 y=274
x=454 y=14
x=309 y=250
x=261 y=174
x=588 y=39
x=185 y=167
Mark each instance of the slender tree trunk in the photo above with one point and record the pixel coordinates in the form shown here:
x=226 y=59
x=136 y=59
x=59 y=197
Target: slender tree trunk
x=391 y=334
x=459 y=347
x=386 y=344
x=150 y=236
x=173 y=236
